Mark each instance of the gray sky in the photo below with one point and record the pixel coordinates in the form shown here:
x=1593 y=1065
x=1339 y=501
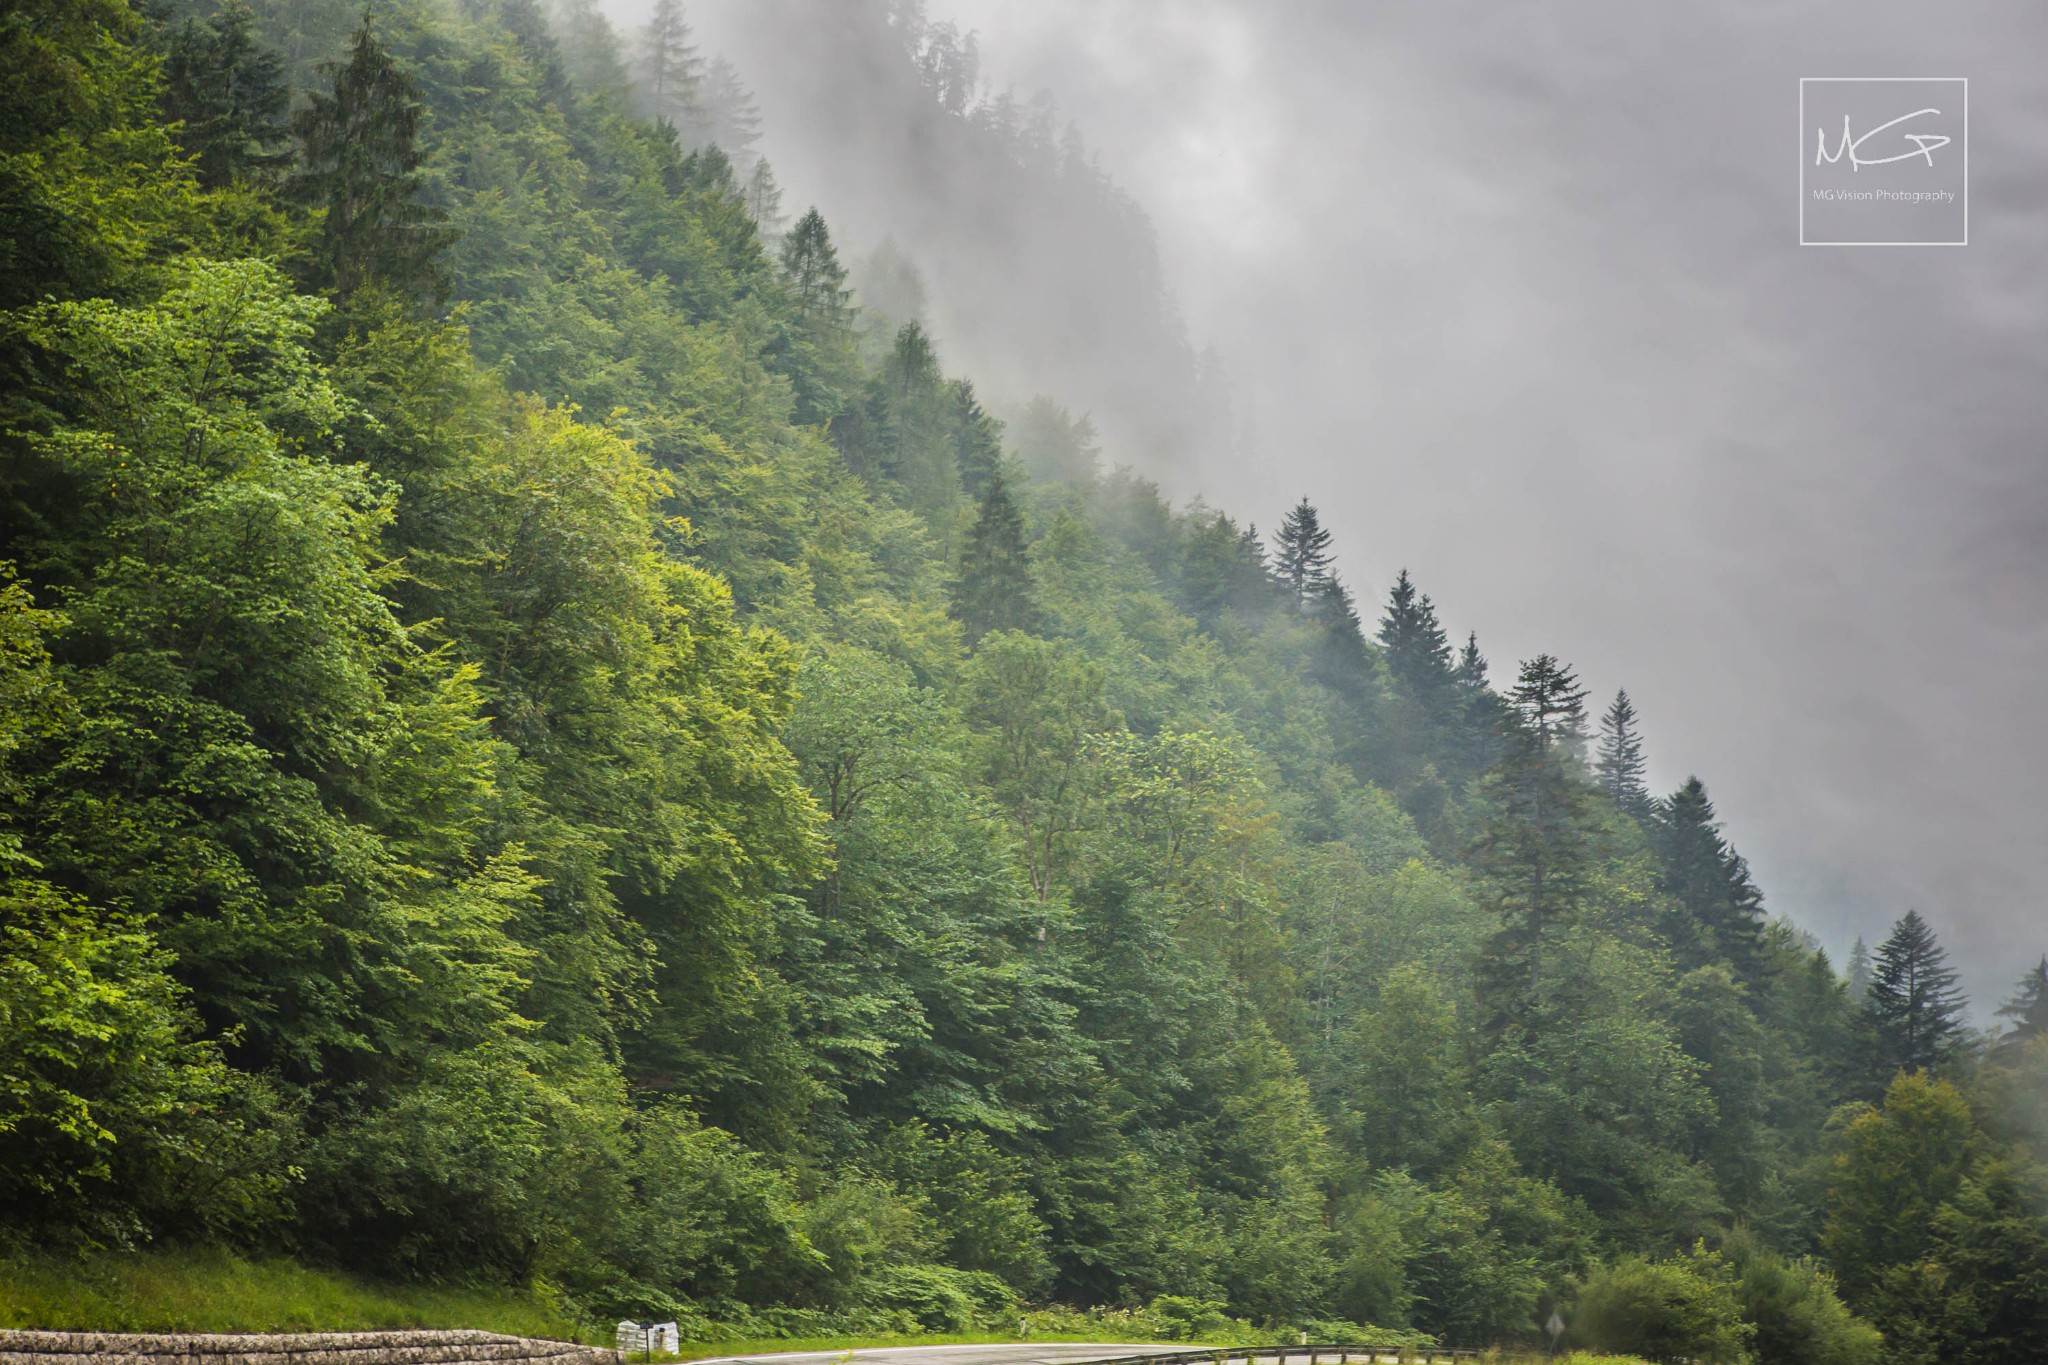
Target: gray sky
x=1513 y=293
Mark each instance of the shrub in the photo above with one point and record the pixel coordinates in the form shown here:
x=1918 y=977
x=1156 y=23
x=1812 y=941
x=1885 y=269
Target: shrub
x=1798 y=1317
x=1681 y=1307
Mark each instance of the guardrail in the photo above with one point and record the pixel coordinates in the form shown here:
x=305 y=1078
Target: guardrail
x=1312 y=1354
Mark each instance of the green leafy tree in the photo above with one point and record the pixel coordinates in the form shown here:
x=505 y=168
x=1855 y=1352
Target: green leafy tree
x=1682 y=1307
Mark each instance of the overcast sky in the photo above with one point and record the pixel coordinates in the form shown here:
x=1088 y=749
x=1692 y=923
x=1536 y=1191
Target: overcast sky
x=1514 y=294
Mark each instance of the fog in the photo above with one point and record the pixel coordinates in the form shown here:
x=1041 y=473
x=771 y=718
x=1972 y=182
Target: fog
x=1515 y=295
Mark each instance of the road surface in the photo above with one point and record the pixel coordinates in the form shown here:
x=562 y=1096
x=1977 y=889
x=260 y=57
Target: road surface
x=1021 y=1353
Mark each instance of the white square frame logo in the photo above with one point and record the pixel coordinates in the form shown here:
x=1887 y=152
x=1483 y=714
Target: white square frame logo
x=1805 y=153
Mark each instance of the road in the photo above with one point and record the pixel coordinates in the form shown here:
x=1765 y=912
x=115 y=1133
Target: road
x=1026 y=1353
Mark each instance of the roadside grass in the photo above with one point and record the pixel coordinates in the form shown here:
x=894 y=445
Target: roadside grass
x=215 y=1291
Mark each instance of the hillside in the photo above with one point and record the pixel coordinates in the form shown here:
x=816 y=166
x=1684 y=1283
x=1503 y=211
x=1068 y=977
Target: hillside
x=544 y=745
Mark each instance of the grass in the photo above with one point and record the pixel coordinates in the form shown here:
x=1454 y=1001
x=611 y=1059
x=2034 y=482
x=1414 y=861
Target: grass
x=212 y=1291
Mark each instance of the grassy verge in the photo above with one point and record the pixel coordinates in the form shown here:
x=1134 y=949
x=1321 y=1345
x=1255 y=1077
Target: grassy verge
x=211 y=1291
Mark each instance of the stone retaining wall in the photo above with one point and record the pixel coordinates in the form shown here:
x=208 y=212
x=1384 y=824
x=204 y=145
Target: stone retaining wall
x=316 y=1348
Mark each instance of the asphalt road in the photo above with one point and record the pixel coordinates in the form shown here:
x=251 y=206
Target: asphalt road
x=1029 y=1353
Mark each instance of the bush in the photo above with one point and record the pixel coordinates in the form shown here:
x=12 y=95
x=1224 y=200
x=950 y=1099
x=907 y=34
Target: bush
x=1684 y=1306
x=1185 y=1319
x=940 y=1298
x=1798 y=1317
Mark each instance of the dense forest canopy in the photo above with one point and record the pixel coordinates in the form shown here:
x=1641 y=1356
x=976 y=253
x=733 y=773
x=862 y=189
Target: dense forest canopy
x=542 y=738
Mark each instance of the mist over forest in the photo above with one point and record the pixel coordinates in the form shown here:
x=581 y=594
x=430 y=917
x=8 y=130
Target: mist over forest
x=679 y=663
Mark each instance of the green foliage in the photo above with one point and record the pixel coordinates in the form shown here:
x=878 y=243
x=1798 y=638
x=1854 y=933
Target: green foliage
x=1798 y=1317
x=623 y=789
x=1679 y=1307
x=218 y=1291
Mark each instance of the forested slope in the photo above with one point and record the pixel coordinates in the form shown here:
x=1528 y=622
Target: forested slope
x=541 y=741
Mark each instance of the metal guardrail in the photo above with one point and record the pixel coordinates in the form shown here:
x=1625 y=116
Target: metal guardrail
x=1324 y=1354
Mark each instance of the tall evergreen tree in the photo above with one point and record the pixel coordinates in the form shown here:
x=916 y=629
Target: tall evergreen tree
x=815 y=276
x=1301 y=554
x=229 y=91
x=1536 y=845
x=764 y=201
x=994 y=590
x=1716 y=910
x=361 y=168
x=1620 y=761
x=1859 y=970
x=1914 y=1007
x=728 y=117
x=977 y=439
x=1418 y=652
x=824 y=367
x=2028 y=1007
x=671 y=72
x=1471 y=670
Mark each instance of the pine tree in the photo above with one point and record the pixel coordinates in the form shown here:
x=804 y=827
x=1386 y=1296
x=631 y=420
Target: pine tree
x=1471 y=670
x=815 y=276
x=1549 y=705
x=764 y=201
x=231 y=94
x=728 y=117
x=1716 y=910
x=1914 y=1008
x=1536 y=844
x=2028 y=1008
x=671 y=72
x=1620 y=762
x=361 y=166
x=1859 y=970
x=1301 y=554
x=1418 y=652
x=994 y=590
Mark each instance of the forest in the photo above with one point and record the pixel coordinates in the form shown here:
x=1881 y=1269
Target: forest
x=548 y=737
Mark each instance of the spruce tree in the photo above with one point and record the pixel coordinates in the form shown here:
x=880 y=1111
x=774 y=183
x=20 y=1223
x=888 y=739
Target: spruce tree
x=1471 y=670
x=764 y=201
x=1418 y=652
x=1716 y=912
x=2028 y=1008
x=361 y=166
x=816 y=278
x=1913 y=1006
x=977 y=439
x=823 y=366
x=1620 y=761
x=670 y=69
x=1859 y=970
x=994 y=588
x=230 y=92
x=1536 y=846
x=728 y=117
x=1301 y=554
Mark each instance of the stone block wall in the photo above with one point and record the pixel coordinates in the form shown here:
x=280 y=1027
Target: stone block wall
x=317 y=1348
